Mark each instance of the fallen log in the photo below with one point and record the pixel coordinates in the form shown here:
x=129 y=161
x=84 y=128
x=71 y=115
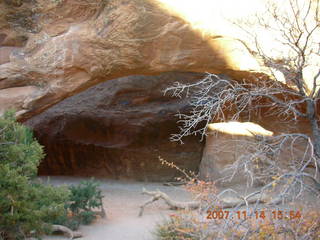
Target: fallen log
x=252 y=198
x=157 y=195
x=71 y=234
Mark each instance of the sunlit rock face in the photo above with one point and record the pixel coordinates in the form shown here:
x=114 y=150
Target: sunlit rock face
x=118 y=129
x=55 y=49
x=226 y=143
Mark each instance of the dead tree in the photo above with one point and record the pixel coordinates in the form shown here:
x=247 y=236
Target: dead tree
x=295 y=26
x=294 y=97
x=291 y=92
x=219 y=99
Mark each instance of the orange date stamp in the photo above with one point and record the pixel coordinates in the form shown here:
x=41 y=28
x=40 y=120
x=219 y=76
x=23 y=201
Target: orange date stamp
x=258 y=214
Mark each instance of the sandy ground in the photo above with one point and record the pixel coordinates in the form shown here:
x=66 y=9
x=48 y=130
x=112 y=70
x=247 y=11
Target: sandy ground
x=122 y=200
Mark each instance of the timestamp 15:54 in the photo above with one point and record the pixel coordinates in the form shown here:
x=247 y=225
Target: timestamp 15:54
x=260 y=214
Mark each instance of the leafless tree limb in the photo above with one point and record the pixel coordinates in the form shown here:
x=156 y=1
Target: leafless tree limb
x=215 y=98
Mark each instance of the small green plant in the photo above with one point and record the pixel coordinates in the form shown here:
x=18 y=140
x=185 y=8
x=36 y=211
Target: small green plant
x=80 y=206
x=84 y=198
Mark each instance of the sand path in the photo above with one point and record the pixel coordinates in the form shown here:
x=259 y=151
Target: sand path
x=122 y=200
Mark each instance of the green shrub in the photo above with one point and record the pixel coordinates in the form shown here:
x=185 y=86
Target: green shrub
x=25 y=205
x=28 y=207
x=84 y=198
x=79 y=208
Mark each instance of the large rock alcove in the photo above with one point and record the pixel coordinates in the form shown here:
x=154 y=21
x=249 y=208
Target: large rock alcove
x=52 y=50
x=118 y=129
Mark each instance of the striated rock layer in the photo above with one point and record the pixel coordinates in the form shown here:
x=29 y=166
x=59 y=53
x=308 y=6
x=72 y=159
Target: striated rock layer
x=51 y=50
x=118 y=129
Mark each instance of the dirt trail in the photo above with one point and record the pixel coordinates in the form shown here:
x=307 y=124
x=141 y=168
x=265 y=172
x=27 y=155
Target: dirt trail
x=122 y=201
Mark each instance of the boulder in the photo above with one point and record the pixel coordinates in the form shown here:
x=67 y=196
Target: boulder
x=226 y=142
x=230 y=143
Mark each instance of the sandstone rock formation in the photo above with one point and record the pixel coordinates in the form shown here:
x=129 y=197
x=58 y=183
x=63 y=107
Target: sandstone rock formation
x=231 y=142
x=118 y=129
x=51 y=50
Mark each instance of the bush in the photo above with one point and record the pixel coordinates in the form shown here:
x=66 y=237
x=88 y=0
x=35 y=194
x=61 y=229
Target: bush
x=80 y=205
x=25 y=205
x=84 y=198
x=176 y=228
x=296 y=222
x=217 y=219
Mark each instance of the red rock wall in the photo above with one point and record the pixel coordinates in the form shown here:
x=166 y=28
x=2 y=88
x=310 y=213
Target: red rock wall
x=118 y=129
